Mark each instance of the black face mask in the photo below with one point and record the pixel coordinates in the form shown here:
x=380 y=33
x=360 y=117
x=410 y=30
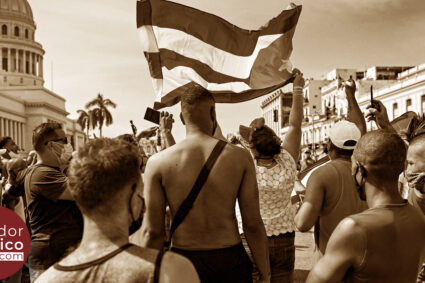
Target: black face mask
x=136 y=223
x=360 y=187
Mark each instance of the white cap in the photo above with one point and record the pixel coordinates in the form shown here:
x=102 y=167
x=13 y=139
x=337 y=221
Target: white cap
x=344 y=135
x=2 y=151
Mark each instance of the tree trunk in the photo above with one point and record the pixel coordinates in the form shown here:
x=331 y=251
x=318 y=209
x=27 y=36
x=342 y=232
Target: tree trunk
x=100 y=130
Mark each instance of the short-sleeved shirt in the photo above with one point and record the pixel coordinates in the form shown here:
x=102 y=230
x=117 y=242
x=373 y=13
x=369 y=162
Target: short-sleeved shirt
x=134 y=264
x=55 y=224
x=275 y=186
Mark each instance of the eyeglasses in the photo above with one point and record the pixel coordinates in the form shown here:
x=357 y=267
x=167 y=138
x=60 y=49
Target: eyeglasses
x=61 y=140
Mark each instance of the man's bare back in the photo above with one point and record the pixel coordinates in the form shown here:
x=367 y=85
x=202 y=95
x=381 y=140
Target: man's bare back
x=211 y=223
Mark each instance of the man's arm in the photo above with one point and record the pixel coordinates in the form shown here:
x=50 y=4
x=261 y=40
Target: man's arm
x=153 y=227
x=313 y=200
x=178 y=269
x=51 y=184
x=292 y=140
x=354 y=114
x=253 y=225
x=346 y=248
x=165 y=126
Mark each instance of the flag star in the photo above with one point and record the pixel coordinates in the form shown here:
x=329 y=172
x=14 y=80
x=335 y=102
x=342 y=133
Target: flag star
x=286 y=65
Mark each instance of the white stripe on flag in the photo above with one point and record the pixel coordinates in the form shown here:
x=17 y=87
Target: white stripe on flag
x=182 y=75
x=191 y=47
x=147 y=39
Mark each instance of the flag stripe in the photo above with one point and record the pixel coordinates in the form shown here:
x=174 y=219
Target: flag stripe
x=211 y=29
x=154 y=62
x=173 y=97
x=219 y=60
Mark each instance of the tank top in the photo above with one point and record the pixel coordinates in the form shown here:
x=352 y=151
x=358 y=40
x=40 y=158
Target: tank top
x=395 y=239
x=341 y=200
x=127 y=264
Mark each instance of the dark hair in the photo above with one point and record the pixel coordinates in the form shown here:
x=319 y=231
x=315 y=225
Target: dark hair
x=194 y=95
x=4 y=141
x=44 y=132
x=339 y=151
x=384 y=152
x=100 y=170
x=264 y=141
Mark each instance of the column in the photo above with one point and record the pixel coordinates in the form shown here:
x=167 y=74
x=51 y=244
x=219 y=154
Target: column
x=30 y=63
x=1 y=127
x=24 y=69
x=18 y=134
x=8 y=60
x=1 y=59
x=17 y=60
x=41 y=66
x=22 y=136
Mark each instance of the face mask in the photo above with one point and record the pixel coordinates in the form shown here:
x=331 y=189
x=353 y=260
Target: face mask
x=416 y=180
x=136 y=223
x=63 y=152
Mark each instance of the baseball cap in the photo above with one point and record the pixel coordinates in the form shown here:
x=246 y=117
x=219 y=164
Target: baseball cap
x=344 y=135
x=2 y=151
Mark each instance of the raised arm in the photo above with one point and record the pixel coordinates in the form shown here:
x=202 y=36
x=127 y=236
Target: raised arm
x=345 y=249
x=253 y=226
x=292 y=140
x=354 y=115
x=153 y=228
x=165 y=126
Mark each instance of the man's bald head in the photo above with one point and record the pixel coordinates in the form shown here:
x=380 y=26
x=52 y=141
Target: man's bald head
x=382 y=153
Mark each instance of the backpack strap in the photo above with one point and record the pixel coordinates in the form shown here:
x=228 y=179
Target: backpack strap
x=158 y=266
x=187 y=204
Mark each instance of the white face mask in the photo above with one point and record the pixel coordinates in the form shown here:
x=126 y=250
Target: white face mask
x=63 y=153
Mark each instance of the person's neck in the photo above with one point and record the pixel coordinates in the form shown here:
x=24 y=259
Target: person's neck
x=197 y=130
x=387 y=193
x=100 y=237
x=47 y=161
x=334 y=156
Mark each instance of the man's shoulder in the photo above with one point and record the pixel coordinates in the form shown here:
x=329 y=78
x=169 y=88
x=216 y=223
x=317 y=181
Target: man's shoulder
x=42 y=172
x=349 y=228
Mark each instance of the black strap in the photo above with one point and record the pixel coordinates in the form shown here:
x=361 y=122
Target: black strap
x=93 y=262
x=187 y=204
x=158 y=266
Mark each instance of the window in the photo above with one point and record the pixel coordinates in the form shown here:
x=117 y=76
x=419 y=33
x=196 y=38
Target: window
x=26 y=33
x=4 y=30
x=409 y=105
x=395 y=110
x=16 y=31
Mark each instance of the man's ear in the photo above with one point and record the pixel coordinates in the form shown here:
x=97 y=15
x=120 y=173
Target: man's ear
x=181 y=118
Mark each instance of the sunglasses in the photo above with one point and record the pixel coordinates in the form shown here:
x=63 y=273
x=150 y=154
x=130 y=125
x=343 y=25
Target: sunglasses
x=61 y=140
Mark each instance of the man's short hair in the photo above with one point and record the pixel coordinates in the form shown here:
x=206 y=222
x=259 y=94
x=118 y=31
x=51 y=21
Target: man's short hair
x=100 y=170
x=128 y=138
x=384 y=153
x=4 y=141
x=43 y=133
x=193 y=96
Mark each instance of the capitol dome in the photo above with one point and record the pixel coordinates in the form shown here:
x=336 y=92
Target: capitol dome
x=21 y=57
x=16 y=10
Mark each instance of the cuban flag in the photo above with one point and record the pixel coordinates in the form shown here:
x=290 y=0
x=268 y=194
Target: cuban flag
x=183 y=45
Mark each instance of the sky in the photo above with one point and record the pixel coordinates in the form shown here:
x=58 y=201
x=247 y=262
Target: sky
x=93 y=47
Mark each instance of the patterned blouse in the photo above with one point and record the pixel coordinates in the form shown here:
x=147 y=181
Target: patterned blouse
x=275 y=186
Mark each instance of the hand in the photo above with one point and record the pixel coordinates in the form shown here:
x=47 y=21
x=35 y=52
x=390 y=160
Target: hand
x=165 y=122
x=378 y=113
x=299 y=80
x=149 y=132
x=350 y=87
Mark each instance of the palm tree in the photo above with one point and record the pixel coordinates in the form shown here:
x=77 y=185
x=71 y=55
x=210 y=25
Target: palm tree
x=84 y=120
x=100 y=114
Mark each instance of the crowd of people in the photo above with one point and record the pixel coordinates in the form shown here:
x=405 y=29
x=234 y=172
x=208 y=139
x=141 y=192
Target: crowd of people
x=206 y=209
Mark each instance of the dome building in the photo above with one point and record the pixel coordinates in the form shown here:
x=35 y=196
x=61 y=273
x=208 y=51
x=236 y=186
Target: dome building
x=24 y=101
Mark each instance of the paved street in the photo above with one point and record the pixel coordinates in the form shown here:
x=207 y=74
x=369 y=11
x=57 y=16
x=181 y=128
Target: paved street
x=303 y=255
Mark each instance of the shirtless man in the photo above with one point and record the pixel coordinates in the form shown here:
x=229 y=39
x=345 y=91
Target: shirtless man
x=331 y=193
x=385 y=243
x=209 y=234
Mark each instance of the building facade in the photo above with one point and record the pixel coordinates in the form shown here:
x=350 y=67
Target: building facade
x=24 y=102
x=401 y=89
